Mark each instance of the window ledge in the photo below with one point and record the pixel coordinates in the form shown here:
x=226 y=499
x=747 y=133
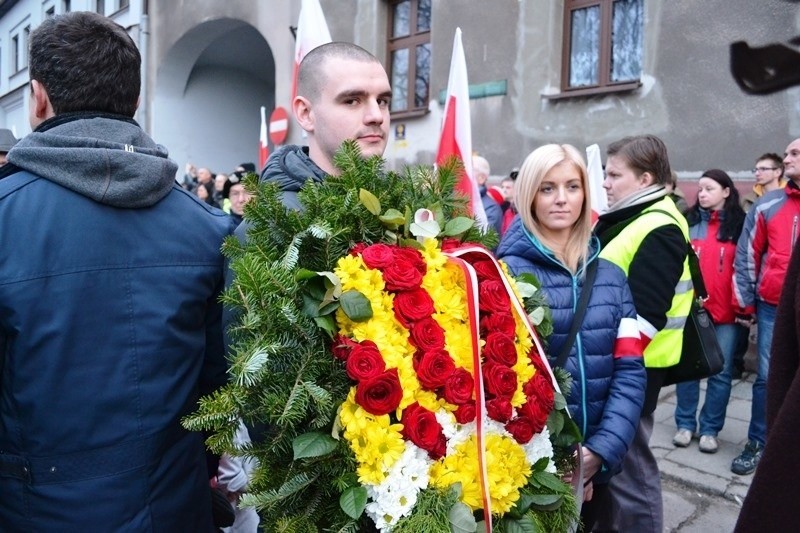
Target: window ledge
x=594 y=91
x=413 y=113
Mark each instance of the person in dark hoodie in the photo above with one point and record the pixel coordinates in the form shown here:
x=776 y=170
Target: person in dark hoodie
x=110 y=321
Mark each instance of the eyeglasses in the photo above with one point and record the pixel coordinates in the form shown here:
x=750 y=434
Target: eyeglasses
x=763 y=169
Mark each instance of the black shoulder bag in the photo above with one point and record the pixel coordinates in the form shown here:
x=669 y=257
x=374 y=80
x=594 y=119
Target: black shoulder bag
x=701 y=355
x=580 y=311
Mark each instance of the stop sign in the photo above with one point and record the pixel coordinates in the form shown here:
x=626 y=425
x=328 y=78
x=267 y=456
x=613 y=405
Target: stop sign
x=278 y=125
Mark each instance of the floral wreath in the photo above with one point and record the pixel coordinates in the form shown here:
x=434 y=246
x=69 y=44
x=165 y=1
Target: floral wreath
x=417 y=355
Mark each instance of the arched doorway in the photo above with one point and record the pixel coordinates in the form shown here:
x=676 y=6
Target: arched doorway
x=208 y=94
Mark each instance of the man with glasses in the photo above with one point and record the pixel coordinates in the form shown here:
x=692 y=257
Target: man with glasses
x=762 y=258
x=769 y=177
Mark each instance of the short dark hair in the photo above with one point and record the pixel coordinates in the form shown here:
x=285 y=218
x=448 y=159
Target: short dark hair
x=775 y=158
x=644 y=153
x=310 y=77
x=86 y=62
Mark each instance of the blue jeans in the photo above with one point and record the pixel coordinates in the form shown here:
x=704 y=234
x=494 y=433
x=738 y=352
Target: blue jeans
x=718 y=390
x=765 y=314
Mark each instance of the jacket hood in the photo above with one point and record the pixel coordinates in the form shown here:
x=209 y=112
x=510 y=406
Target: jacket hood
x=290 y=167
x=107 y=158
x=518 y=241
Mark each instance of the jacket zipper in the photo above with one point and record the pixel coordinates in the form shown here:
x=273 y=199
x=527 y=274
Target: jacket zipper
x=579 y=351
x=721 y=258
x=794 y=231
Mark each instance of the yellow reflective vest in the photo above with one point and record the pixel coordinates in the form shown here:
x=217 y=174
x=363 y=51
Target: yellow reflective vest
x=665 y=348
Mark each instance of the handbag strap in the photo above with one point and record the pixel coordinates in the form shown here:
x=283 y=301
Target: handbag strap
x=694 y=262
x=580 y=311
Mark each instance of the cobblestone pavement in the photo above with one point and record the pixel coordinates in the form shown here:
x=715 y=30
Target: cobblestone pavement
x=700 y=492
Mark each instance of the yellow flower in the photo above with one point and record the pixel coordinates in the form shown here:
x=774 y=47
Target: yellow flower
x=376 y=443
x=507 y=468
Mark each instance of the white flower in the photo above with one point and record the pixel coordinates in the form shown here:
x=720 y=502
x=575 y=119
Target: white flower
x=396 y=496
x=424 y=225
x=540 y=446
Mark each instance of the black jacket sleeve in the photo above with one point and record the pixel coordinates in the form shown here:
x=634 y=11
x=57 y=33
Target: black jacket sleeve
x=655 y=271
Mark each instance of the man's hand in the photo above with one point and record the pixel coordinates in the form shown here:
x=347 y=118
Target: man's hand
x=745 y=320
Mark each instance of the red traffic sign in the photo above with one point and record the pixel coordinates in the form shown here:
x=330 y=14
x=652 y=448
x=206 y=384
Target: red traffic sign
x=278 y=125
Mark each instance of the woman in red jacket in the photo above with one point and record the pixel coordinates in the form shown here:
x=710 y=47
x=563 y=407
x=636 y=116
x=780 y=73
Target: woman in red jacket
x=715 y=223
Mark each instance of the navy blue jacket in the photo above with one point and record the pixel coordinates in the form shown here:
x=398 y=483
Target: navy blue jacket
x=110 y=329
x=606 y=360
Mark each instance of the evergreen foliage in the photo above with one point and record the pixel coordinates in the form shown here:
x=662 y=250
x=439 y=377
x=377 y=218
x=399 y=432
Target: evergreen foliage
x=282 y=374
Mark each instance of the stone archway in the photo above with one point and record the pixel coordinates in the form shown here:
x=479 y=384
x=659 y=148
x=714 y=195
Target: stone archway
x=208 y=93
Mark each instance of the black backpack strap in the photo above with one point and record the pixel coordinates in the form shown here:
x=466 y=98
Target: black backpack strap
x=580 y=311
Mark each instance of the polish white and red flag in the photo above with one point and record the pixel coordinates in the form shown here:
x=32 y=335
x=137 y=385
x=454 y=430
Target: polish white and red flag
x=263 y=148
x=456 y=136
x=312 y=31
x=597 y=194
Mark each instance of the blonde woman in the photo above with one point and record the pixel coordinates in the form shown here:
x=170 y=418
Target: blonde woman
x=551 y=239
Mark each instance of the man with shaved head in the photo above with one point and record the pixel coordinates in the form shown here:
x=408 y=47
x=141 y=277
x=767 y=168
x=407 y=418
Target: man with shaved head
x=343 y=93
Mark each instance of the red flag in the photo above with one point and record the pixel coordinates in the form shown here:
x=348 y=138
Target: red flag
x=456 y=137
x=263 y=150
x=596 y=176
x=312 y=31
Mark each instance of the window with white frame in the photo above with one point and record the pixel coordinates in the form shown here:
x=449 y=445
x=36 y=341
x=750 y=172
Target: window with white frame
x=15 y=49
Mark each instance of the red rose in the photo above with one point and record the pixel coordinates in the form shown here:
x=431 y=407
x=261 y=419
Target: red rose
x=401 y=275
x=378 y=256
x=458 y=387
x=499 y=348
x=342 y=346
x=536 y=413
x=486 y=270
x=521 y=429
x=493 y=297
x=500 y=322
x=433 y=369
x=357 y=249
x=413 y=305
x=380 y=395
x=499 y=409
x=365 y=362
x=412 y=256
x=421 y=427
x=541 y=388
x=427 y=335
x=465 y=413
x=499 y=380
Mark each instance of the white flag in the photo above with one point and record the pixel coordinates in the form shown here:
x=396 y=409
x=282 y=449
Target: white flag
x=456 y=135
x=596 y=177
x=312 y=31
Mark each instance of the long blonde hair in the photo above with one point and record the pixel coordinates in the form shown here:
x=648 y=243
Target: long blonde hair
x=533 y=171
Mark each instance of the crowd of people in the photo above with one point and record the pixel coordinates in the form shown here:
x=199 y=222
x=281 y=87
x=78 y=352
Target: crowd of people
x=111 y=327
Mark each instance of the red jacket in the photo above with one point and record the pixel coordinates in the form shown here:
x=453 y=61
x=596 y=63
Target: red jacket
x=716 y=265
x=762 y=256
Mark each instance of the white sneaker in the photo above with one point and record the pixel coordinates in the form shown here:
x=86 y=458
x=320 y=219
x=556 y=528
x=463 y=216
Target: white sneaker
x=708 y=444
x=682 y=438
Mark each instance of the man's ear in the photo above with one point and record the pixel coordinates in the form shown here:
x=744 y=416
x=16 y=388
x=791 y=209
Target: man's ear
x=303 y=113
x=40 y=101
x=647 y=179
